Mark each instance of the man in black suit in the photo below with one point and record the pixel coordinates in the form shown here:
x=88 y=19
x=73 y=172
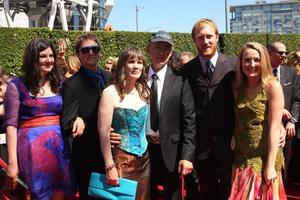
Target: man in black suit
x=172 y=135
x=289 y=81
x=211 y=75
x=81 y=94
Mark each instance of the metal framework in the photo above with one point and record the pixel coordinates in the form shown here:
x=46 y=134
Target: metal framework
x=41 y=7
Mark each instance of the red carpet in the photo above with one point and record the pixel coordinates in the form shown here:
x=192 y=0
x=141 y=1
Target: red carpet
x=293 y=193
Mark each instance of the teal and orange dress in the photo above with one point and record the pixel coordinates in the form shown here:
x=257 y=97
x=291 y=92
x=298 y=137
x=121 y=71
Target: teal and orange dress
x=131 y=156
x=251 y=152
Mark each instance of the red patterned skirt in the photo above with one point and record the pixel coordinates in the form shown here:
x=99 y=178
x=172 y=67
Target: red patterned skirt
x=248 y=184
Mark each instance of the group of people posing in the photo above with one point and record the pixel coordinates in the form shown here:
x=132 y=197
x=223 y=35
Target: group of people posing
x=222 y=119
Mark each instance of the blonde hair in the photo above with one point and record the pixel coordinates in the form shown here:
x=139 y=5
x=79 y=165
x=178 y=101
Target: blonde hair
x=73 y=63
x=202 y=22
x=113 y=61
x=293 y=60
x=266 y=69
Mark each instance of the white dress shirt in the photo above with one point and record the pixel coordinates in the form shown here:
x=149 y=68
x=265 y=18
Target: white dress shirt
x=160 y=83
x=278 y=72
x=213 y=60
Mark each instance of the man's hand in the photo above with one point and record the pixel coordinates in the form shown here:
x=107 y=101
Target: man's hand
x=115 y=138
x=286 y=116
x=78 y=127
x=185 y=167
x=62 y=47
x=290 y=130
x=282 y=134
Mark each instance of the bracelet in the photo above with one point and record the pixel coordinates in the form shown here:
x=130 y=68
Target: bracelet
x=109 y=167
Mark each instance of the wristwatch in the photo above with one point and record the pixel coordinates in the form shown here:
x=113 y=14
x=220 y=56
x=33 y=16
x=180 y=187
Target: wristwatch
x=293 y=120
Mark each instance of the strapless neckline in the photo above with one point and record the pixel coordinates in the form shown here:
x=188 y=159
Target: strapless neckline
x=131 y=109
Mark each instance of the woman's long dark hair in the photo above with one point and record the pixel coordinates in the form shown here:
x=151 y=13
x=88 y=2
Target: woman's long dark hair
x=31 y=69
x=120 y=76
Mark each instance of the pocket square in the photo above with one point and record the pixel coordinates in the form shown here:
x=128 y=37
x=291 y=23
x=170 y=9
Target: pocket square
x=98 y=188
x=289 y=83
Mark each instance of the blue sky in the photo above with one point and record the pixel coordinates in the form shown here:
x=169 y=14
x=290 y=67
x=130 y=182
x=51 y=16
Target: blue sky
x=169 y=15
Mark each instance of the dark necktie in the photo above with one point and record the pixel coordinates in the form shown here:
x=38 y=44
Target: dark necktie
x=209 y=70
x=153 y=104
x=275 y=72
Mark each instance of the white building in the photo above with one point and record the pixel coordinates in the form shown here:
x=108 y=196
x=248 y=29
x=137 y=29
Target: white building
x=263 y=17
x=69 y=14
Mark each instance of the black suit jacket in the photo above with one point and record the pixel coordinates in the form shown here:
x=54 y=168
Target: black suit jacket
x=177 y=129
x=214 y=105
x=81 y=99
x=290 y=83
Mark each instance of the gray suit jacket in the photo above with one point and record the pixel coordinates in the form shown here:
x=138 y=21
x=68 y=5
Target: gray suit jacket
x=177 y=129
x=290 y=83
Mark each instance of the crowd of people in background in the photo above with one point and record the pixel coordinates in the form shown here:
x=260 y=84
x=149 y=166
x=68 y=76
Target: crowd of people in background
x=228 y=124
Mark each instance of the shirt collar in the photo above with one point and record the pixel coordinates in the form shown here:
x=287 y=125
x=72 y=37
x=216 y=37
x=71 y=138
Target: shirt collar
x=278 y=68
x=90 y=72
x=213 y=59
x=161 y=73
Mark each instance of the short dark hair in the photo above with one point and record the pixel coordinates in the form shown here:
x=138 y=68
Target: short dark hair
x=271 y=46
x=82 y=38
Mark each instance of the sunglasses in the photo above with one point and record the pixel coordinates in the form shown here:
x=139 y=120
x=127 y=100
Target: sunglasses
x=85 y=50
x=282 y=52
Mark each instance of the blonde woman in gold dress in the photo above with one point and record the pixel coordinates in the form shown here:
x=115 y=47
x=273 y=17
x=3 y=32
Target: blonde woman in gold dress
x=258 y=112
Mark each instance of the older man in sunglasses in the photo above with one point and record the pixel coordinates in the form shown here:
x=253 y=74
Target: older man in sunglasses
x=291 y=87
x=81 y=95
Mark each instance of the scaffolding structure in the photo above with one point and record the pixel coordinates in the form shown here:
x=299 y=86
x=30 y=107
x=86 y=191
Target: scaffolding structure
x=46 y=11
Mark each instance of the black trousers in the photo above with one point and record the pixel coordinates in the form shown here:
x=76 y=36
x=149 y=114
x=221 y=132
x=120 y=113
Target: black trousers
x=287 y=150
x=161 y=176
x=214 y=176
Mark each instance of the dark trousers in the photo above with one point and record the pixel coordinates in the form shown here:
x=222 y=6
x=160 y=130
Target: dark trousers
x=291 y=173
x=296 y=162
x=287 y=150
x=192 y=186
x=84 y=163
x=161 y=176
x=214 y=175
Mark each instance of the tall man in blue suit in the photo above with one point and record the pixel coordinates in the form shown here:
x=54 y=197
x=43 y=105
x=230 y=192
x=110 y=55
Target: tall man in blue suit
x=211 y=75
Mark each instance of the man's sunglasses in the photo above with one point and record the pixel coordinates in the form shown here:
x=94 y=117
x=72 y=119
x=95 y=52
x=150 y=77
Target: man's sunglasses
x=282 y=52
x=85 y=50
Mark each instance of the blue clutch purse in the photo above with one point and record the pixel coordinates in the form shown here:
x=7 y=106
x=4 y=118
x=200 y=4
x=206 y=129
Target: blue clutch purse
x=98 y=188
